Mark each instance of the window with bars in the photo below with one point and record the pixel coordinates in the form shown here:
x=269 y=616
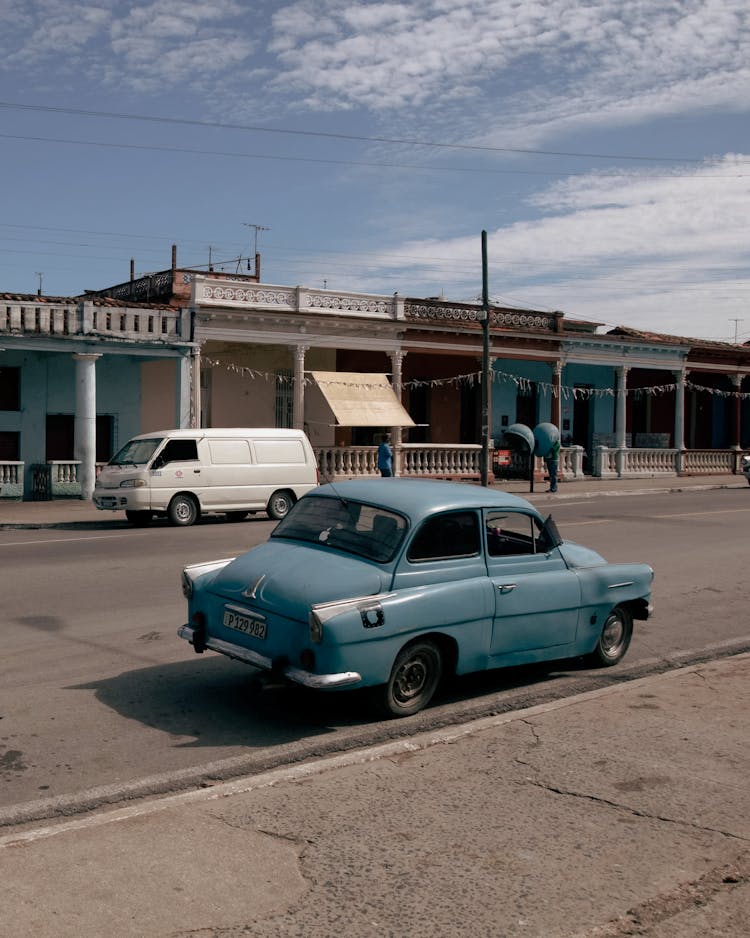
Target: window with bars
x=284 y=403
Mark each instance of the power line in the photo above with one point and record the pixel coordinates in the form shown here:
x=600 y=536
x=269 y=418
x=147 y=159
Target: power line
x=258 y=128
x=377 y=164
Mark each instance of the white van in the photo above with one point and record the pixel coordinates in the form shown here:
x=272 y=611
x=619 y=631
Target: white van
x=186 y=473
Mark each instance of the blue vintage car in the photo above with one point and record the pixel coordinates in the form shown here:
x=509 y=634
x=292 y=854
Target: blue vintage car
x=395 y=583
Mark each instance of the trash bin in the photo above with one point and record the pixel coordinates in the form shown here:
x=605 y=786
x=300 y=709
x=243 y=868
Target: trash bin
x=41 y=482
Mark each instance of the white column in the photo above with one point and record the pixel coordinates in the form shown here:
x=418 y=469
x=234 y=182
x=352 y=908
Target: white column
x=679 y=419
x=85 y=421
x=622 y=387
x=184 y=396
x=298 y=403
x=397 y=360
x=195 y=397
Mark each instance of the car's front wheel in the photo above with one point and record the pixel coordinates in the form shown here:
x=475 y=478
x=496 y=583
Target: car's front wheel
x=414 y=678
x=183 y=511
x=614 y=638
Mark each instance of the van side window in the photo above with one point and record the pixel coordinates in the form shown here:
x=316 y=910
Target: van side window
x=455 y=534
x=178 y=451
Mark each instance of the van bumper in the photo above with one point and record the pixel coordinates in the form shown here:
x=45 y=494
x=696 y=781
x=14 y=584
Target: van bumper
x=121 y=500
x=297 y=675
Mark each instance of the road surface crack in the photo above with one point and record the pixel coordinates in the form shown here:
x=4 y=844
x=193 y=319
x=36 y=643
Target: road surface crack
x=636 y=812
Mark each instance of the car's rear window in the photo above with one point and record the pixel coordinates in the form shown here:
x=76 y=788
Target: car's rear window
x=353 y=527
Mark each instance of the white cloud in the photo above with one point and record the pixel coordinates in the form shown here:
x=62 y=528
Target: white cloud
x=654 y=251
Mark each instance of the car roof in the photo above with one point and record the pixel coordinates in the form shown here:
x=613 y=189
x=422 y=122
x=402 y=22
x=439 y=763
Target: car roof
x=419 y=497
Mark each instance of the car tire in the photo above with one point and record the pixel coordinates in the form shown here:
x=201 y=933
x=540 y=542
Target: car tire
x=139 y=518
x=183 y=511
x=236 y=515
x=414 y=679
x=614 y=638
x=279 y=504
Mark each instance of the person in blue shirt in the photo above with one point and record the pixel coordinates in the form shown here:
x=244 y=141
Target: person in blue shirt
x=385 y=457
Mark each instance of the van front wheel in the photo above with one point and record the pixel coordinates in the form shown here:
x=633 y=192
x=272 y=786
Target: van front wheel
x=279 y=504
x=182 y=511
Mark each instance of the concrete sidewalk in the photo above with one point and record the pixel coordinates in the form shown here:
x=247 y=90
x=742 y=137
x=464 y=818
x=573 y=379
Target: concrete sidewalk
x=67 y=511
x=623 y=811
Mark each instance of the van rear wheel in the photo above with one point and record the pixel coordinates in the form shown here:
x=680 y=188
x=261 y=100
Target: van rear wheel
x=183 y=511
x=279 y=504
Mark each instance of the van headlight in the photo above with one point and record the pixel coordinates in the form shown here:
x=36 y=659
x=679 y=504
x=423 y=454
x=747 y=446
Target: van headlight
x=132 y=483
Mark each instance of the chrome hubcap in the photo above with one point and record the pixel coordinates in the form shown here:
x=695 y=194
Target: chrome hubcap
x=612 y=635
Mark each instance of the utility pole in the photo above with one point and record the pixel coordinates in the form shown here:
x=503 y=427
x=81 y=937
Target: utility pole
x=40 y=275
x=485 y=455
x=736 y=323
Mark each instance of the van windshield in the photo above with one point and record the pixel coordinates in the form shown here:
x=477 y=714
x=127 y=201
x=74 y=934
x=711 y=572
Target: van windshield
x=136 y=452
x=352 y=527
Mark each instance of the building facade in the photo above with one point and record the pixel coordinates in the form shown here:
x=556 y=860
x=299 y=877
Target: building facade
x=79 y=377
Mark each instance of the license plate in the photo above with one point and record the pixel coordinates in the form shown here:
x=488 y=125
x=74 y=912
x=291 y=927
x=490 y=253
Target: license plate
x=247 y=624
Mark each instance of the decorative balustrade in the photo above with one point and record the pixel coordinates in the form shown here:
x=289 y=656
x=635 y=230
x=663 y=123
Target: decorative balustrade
x=696 y=461
x=646 y=463
x=435 y=460
x=230 y=294
x=346 y=461
x=88 y=318
x=11 y=479
x=444 y=460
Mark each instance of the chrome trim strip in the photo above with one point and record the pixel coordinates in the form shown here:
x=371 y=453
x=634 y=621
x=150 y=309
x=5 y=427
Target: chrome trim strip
x=615 y=586
x=306 y=678
x=248 y=613
x=334 y=607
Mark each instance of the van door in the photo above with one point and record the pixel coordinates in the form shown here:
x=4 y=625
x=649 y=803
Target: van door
x=176 y=468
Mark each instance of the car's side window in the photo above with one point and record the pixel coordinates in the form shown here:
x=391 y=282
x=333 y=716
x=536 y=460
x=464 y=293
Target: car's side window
x=510 y=533
x=454 y=534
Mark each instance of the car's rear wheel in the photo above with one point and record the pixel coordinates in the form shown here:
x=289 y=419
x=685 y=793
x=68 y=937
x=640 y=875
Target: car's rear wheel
x=279 y=504
x=183 y=511
x=614 y=638
x=139 y=518
x=414 y=678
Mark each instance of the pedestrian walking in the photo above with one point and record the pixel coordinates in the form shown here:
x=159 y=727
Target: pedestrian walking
x=551 y=461
x=385 y=457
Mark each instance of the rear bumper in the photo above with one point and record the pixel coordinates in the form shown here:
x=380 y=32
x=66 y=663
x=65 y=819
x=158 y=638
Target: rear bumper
x=297 y=675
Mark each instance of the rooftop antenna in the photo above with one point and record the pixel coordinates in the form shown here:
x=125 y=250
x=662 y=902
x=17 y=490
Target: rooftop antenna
x=257 y=256
x=40 y=275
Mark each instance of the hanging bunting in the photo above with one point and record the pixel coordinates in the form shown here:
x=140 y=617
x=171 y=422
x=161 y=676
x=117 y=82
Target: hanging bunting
x=523 y=384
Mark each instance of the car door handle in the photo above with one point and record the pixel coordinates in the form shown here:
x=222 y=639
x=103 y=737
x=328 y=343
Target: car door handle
x=196 y=471
x=506 y=587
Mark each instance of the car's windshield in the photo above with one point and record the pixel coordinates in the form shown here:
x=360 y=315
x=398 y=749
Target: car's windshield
x=136 y=452
x=356 y=528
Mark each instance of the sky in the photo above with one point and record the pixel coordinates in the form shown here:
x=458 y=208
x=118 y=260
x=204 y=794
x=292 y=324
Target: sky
x=603 y=145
